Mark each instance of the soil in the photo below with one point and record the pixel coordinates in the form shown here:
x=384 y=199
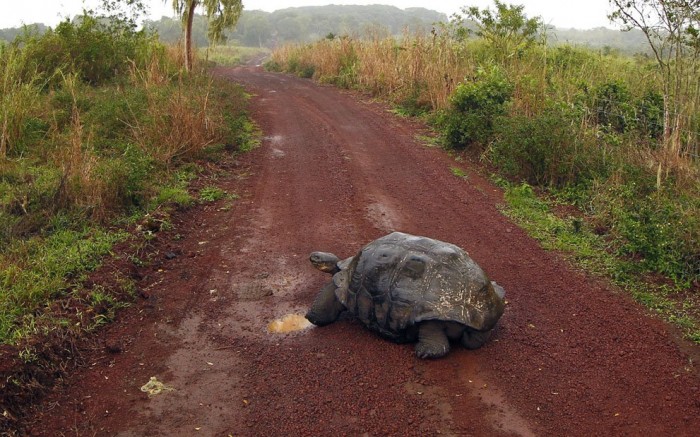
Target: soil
x=572 y=355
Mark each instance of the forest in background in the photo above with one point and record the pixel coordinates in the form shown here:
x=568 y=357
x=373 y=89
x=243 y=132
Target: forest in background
x=307 y=24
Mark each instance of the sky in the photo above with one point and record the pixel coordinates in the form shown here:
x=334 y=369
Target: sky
x=580 y=14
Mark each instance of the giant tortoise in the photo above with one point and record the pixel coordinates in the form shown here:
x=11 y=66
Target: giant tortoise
x=409 y=288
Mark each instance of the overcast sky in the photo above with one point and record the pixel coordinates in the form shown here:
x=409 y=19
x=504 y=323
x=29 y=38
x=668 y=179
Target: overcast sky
x=581 y=14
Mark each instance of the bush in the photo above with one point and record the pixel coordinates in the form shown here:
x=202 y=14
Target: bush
x=659 y=229
x=97 y=52
x=547 y=149
x=614 y=111
x=650 y=115
x=300 y=68
x=474 y=107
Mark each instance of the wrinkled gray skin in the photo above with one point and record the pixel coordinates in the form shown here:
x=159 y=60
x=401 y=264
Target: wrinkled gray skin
x=409 y=288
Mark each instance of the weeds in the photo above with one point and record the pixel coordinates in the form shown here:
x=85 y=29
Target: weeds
x=458 y=172
x=211 y=194
x=98 y=122
x=593 y=253
x=34 y=271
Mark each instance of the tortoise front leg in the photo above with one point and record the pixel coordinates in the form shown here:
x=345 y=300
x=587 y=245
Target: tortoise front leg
x=472 y=339
x=432 y=340
x=326 y=307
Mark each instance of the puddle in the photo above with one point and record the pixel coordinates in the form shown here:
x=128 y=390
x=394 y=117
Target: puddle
x=288 y=323
x=277 y=153
x=274 y=139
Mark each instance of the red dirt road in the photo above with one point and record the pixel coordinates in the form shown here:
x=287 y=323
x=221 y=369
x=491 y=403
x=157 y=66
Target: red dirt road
x=572 y=355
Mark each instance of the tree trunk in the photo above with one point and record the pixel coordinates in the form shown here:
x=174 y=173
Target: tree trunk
x=3 y=137
x=188 y=34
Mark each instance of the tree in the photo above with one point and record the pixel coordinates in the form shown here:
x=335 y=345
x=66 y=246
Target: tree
x=255 y=28
x=507 y=28
x=672 y=29
x=221 y=15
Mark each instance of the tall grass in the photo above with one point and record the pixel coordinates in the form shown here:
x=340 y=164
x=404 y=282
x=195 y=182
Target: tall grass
x=96 y=119
x=19 y=99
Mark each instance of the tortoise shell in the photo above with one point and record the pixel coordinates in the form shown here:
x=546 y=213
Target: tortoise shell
x=399 y=280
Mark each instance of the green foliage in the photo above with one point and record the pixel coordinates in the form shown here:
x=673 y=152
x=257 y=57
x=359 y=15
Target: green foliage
x=97 y=52
x=474 y=108
x=349 y=64
x=26 y=193
x=88 y=112
x=507 y=29
x=300 y=68
x=19 y=103
x=613 y=108
x=34 y=271
x=650 y=115
x=412 y=105
x=211 y=194
x=659 y=229
x=274 y=66
x=591 y=251
x=671 y=29
x=548 y=149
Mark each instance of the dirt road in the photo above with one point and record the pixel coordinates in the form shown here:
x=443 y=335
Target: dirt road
x=572 y=355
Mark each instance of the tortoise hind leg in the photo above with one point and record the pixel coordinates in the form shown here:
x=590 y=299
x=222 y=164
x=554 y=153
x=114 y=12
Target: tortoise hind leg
x=326 y=307
x=432 y=340
x=472 y=339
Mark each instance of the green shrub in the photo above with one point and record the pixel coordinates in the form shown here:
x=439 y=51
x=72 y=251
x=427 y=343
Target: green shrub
x=474 y=107
x=650 y=115
x=211 y=194
x=613 y=108
x=96 y=51
x=349 y=63
x=549 y=149
x=300 y=68
x=658 y=228
x=274 y=66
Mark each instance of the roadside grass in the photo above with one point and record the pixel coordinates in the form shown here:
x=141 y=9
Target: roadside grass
x=571 y=236
x=231 y=55
x=211 y=194
x=33 y=272
x=458 y=172
x=90 y=146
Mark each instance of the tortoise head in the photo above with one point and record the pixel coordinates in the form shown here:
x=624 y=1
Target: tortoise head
x=325 y=262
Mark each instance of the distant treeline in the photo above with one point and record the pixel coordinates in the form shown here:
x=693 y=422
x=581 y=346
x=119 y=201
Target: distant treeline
x=631 y=42
x=11 y=33
x=307 y=24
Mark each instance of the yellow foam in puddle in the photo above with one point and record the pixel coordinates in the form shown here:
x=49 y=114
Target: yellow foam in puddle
x=288 y=323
